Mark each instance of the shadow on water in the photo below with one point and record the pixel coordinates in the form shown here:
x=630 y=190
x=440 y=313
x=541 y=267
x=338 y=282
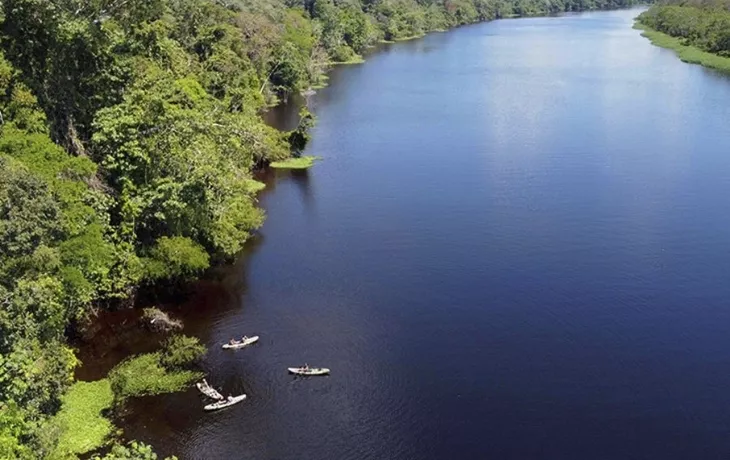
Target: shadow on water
x=285 y=116
x=301 y=181
x=115 y=335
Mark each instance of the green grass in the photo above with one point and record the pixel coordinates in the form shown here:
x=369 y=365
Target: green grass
x=295 y=163
x=84 y=428
x=686 y=53
x=144 y=375
x=255 y=186
x=322 y=82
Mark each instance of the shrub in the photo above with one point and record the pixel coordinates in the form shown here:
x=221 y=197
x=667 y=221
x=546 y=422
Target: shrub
x=133 y=451
x=176 y=257
x=180 y=351
x=343 y=53
x=145 y=375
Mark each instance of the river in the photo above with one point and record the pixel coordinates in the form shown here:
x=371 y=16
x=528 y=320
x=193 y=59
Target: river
x=517 y=246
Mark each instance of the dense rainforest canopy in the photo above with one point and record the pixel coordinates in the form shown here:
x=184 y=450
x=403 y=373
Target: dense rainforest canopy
x=704 y=24
x=128 y=133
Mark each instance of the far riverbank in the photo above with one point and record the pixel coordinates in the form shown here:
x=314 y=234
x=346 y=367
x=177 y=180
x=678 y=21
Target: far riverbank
x=687 y=53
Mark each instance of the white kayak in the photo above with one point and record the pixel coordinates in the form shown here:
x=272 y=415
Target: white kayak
x=242 y=343
x=309 y=370
x=208 y=390
x=231 y=400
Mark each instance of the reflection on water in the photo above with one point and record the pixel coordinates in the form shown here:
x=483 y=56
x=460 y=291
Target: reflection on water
x=516 y=246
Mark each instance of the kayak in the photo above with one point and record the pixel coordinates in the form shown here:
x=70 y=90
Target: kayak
x=208 y=390
x=225 y=403
x=243 y=343
x=309 y=371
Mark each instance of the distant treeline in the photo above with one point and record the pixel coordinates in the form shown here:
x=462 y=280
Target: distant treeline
x=349 y=26
x=129 y=130
x=704 y=24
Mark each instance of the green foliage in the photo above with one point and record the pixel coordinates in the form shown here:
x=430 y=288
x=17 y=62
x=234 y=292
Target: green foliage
x=697 y=27
x=45 y=203
x=145 y=375
x=255 y=186
x=295 y=163
x=186 y=176
x=35 y=310
x=176 y=257
x=180 y=351
x=35 y=375
x=29 y=214
x=14 y=433
x=346 y=29
x=132 y=451
x=686 y=53
x=84 y=428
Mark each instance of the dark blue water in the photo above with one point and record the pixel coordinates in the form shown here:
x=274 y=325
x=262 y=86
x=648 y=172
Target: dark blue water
x=517 y=246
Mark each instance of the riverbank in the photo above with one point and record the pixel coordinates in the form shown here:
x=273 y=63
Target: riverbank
x=687 y=53
x=86 y=421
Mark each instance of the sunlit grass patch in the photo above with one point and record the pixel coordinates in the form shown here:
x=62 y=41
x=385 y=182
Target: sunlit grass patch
x=322 y=82
x=295 y=163
x=84 y=428
x=145 y=375
x=255 y=186
x=409 y=38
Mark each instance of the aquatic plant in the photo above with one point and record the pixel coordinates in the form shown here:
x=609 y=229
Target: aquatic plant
x=180 y=351
x=81 y=420
x=295 y=163
x=145 y=375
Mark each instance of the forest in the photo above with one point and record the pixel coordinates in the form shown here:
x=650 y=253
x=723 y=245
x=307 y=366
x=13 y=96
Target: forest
x=129 y=131
x=699 y=23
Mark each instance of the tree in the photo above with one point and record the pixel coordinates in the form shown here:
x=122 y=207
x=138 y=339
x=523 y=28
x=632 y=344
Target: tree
x=29 y=214
x=13 y=430
x=133 y=451
x=180 y=351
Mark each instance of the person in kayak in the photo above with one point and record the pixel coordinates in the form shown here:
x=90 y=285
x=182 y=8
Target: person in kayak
x=244 y=338
x=232 y=341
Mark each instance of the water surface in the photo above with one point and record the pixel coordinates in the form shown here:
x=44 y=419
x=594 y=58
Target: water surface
x=517 y=246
